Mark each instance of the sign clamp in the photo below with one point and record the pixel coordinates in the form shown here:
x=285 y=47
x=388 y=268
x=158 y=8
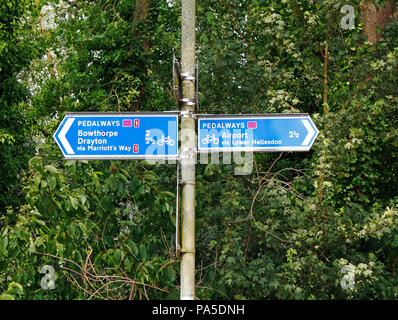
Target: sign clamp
x=178 y=78
x=188 y=76
x=177 y=85
x=187 y=102
x=188 y=114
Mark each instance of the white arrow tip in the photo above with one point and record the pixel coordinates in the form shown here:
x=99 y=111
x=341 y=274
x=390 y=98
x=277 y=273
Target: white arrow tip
x=63 y=133
x=310 y=134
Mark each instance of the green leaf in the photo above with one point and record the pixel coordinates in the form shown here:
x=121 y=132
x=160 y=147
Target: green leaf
x=73 y=202
x=83 y=198
x=127 y=264
x=143 y=251
x=43 y=184
x=133 y=246
x=15 y=288
x=51 y=169
x=116 y=257
x=171 y=274
x=83 y=228
x=6 y=296
x=52 y=182
x=4 y=243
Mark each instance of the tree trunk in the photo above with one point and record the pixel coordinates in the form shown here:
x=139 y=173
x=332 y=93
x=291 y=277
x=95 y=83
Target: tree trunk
x=141 y=13
x=376 y=18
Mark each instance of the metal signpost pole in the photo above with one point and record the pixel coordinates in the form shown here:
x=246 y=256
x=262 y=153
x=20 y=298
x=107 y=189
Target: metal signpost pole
x=188 y=147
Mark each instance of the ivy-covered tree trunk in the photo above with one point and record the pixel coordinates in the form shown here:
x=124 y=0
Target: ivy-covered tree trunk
x=141 y=13
x=376 y=18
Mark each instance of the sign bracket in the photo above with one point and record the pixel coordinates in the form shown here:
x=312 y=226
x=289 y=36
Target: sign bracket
x=177 y=82
x=188 y=114
x=178 y=78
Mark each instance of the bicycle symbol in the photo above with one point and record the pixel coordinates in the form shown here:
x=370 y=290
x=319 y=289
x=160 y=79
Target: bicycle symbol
x=163 y=140
x=208 y=139
x=166 y=140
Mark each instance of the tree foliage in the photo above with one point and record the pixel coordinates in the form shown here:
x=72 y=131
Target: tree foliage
x=18 y=46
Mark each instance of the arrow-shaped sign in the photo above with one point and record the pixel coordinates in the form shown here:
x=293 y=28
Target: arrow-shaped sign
x=266 y=132
x=62 y=135
x=110 y=135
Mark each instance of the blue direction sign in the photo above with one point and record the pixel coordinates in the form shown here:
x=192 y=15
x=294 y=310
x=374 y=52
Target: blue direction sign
x=267 y=132
x=118 y=135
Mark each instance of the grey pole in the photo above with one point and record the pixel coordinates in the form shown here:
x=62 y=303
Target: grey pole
x=188 y=155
